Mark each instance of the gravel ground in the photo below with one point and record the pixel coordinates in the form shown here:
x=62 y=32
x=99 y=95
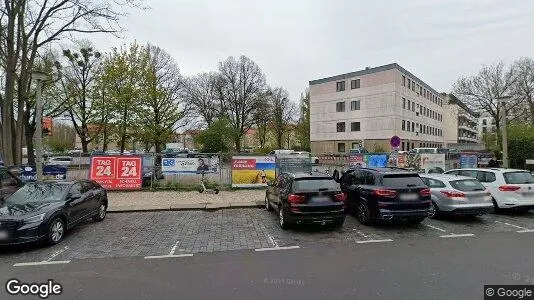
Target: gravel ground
x=167 y=198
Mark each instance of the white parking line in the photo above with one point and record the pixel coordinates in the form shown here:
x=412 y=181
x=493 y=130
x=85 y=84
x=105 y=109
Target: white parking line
x=276 y=248
x=57 y=253
x=272 y=240
x=168 y=256
x=523 y=229
x=434 y=227
x=374 y=241
x=39 y=263
x=457 y=235
x=174 y=248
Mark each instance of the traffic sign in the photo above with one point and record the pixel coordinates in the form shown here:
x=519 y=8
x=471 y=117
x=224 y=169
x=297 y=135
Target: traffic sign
x=395 y=141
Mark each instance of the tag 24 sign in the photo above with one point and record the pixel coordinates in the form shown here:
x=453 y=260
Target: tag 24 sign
x=117 y=172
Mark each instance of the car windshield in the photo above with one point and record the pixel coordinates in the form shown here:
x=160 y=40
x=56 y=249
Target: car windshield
x=402 y=180
x=308 y=184
x=42 y=192
x=518 y=177
x=467 y=185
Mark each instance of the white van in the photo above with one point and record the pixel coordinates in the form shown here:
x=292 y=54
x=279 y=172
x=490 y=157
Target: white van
x=281 y=152
x=423 y=151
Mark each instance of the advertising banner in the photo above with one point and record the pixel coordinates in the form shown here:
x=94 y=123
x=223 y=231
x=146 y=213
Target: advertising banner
x=29 y=173
x=370 y=160
x=117 y=172
x=425 y=163
x=177 y=165
x=468 y=161
x=252 y=171
x=295 y=163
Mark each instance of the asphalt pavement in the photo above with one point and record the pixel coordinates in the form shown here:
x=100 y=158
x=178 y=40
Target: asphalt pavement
x=406 y=269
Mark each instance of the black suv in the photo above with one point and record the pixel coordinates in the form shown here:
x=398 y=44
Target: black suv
x=375 y=194
x=311 y=198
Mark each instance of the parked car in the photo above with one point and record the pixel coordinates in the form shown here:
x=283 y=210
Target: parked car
x=44 y=211
x=59 y=160
x=423 y=151
x=75 y=152
x=151 y=169
x=313 y=159
x=97 y=152
x=452 y=194
x=378 y=194
x=358 y=151
x=509 y=188
x=306 y=198
x=9 y=183
x=281 y=152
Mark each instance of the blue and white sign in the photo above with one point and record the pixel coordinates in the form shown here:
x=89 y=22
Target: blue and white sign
x=29 y=173
x=176 y=165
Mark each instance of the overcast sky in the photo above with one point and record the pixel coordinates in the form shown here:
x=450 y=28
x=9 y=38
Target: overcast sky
x=295 y=41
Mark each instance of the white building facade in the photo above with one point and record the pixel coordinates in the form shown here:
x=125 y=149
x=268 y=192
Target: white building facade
x=460 y=122
x=370 y=106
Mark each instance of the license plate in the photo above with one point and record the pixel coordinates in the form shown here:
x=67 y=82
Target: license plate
x=409 y=197
x=3 y=235
x=319 y=199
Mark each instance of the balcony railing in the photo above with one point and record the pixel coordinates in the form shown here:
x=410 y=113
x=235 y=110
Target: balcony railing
x=468 y=128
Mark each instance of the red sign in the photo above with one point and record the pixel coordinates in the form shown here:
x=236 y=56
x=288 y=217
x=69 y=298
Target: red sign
x=244 y=164
x=117 y=172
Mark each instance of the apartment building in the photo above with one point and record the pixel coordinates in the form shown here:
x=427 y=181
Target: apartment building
x=370 y=106
x=460 y=122
x=486 y=124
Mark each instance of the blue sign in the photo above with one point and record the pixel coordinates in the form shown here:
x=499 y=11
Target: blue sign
x=468 y=161
x=29 y=173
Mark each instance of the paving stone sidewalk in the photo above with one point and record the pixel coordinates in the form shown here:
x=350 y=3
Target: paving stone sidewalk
x=175 y=200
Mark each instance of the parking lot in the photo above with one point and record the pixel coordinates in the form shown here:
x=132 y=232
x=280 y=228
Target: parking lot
x=155 y=234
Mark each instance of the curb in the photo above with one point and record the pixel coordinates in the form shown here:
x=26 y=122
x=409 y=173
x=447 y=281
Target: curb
x=205 y=207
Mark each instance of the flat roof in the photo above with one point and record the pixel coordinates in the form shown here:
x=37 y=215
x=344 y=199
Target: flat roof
x=375 y=70
x=454 y=100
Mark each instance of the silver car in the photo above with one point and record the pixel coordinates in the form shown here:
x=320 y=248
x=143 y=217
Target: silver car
x=453 y=194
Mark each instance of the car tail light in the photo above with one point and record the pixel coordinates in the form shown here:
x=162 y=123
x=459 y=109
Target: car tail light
x=453 y=194
x=424 y=192
x=341 y=197
x=296 y=199
x=386 y=193
x=509 y=188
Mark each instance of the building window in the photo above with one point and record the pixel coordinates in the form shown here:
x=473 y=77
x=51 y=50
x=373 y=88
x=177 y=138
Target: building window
x=355 y=84
x=340 y=106
x=408 y=125
x=484 y=122
x=483 y=129
x=413 y=145
x=413 y=106
x=409 y=104
x=409 y=83
x=355 y=105
x=402 y=148
x=403 y=102
x=421 y=110
x=355 y=145
x=340 y=86
x=421 y=91
x=403 y=80
x=404 y=125
x=413 y=127
x=340 y=127
x=440 y=102
x=355 y=126
x=340 y=147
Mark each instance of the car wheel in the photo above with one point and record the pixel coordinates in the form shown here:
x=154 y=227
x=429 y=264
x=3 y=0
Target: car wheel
x=282 y=218
x=102 y=212
x=267 y=205
x=56 y=231
x=364 y=215
x=434 y=211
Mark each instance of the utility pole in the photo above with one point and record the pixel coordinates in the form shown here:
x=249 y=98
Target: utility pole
x=502 y=105
x=39 y=77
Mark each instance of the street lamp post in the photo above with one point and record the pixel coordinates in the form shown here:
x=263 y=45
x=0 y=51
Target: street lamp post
x=39 y=77
x=502 y=106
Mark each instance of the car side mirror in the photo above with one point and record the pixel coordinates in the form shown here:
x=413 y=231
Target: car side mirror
x=75 y=196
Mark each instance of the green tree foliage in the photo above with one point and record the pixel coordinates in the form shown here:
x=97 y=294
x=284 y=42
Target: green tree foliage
x=520 y=144
x=217 y=138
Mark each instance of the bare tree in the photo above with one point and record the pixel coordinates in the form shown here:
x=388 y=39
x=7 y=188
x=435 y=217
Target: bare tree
x=262 y=117
x=80 y=75
x=200 y=93
x=524 y=87
x=482 y=91
x=28 y=26
x=239 y=86
x=284 y=114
